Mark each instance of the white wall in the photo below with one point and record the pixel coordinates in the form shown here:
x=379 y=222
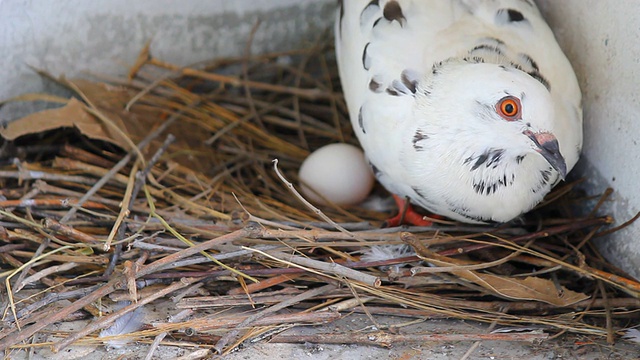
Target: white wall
x=602 y=40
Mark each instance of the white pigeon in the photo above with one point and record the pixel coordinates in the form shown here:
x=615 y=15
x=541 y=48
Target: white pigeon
x=468 y=108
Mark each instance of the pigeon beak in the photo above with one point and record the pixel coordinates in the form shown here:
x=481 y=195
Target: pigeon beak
x=549 y=149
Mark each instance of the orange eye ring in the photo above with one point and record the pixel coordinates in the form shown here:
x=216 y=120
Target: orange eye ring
x=509 y=108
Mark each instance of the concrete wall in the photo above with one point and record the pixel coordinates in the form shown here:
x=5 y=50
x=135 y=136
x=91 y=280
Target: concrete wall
x=602 y=40
x=106 y=36
x=600 y=37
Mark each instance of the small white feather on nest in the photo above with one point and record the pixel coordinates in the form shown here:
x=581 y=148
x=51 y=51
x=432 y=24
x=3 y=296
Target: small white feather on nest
x=632 y=335
x=124 y=325
x=387 y=252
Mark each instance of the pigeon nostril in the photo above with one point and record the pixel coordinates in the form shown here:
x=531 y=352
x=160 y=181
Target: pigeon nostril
x=549 y=148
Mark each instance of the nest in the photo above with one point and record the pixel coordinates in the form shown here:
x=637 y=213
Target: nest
x=195 y=211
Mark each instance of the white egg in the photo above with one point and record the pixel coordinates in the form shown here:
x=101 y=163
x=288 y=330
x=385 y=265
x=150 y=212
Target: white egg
x=338 y=172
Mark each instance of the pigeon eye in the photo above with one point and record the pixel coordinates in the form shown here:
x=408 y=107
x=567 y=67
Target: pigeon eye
x=509 y=108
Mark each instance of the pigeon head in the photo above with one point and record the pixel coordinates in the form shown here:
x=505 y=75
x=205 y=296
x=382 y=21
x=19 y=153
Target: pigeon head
x=494 y=107
x=494 y=123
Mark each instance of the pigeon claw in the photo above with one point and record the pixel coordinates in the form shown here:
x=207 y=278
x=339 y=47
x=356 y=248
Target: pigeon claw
x=406 y=215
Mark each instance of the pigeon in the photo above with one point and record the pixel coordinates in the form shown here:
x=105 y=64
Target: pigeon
x=467 y=108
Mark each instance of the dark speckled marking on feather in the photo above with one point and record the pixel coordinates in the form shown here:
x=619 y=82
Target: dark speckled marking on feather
x=495 y=158
x=544 y=181
x=375 y=170
x=490 y=157
x=372 y=9
x=372 y=3
x=536 y=75
x=361 y=120
x=474 y=59
x=488 y=188
x=515 y=15
x=420 y=192
x=393 y=92
x=528 y=59
x=374 y=86
x=375 y=23
x=435 y=68
x=487 y=48
x=495 y=40
x=546 y=175
x=535 y=70
x=392 y=11
x=341 y=5
x=480 y=187
x=404 y=86
x=472 y=218
x=530 y=67
x=516 y=66
x=410 y=84
x=366 y=61
x=422 y=198
x=479 y=160
x=508 y=16
x=417 y=137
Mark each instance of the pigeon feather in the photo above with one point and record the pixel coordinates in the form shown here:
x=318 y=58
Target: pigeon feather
x=125 y=324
